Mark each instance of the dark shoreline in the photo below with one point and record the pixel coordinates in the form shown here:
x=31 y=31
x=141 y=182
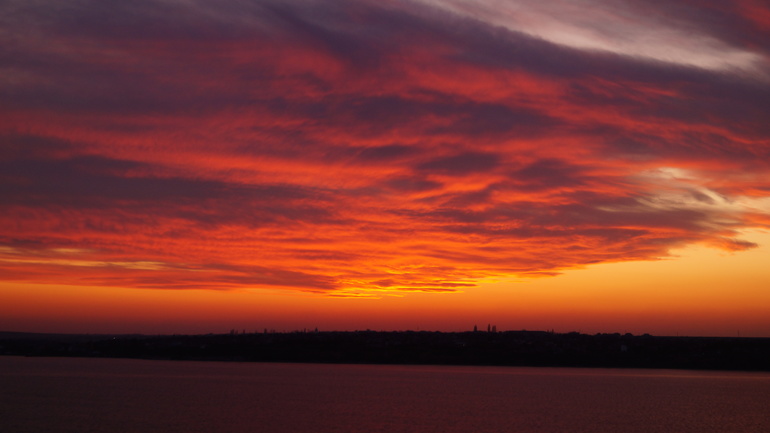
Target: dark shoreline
x=509 y=348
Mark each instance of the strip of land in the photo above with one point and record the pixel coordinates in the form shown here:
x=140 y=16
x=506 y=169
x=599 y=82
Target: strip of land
x=510 y=348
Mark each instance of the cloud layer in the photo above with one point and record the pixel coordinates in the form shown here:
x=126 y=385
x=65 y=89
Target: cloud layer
x=359 y=148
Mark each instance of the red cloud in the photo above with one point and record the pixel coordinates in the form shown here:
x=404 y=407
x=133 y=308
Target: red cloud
x=362 y=150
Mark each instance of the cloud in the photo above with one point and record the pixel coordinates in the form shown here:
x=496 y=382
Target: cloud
x=363 y=148
x=461 y=164
x=674 y=33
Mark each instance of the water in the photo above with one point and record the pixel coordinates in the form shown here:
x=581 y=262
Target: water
x=118 y=395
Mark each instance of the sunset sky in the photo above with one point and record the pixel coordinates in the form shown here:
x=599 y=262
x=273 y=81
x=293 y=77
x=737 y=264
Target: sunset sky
x=193 y=166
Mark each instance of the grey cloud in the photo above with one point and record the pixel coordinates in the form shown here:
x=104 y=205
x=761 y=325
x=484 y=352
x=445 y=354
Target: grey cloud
x=412 y=184
x=548 y=173
x=461 y=164
x=385 y=153
x=93 y=182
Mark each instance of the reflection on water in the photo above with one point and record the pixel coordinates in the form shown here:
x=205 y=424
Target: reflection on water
x=118 y=395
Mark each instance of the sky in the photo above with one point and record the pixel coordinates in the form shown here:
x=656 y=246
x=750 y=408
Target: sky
x=188 y=166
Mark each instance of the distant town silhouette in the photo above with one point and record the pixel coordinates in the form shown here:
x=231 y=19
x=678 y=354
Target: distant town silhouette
x=508 y=348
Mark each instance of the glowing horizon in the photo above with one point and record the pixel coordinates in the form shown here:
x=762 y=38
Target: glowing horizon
x=289 y=158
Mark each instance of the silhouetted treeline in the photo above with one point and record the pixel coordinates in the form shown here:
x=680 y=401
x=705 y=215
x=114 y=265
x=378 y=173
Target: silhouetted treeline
x=511 y=348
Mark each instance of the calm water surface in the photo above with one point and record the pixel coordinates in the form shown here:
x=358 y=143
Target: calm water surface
x=119 y=395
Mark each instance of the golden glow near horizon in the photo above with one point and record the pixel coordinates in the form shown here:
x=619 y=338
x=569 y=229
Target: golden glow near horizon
x=391 y=165
x=699 y=291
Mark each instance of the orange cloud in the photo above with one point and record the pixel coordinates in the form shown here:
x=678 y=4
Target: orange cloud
x=361 y=150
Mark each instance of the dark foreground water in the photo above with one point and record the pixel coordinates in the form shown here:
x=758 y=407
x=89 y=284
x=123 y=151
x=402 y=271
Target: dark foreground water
x=120 y=395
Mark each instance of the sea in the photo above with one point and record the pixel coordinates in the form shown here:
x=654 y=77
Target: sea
x=127 y=395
